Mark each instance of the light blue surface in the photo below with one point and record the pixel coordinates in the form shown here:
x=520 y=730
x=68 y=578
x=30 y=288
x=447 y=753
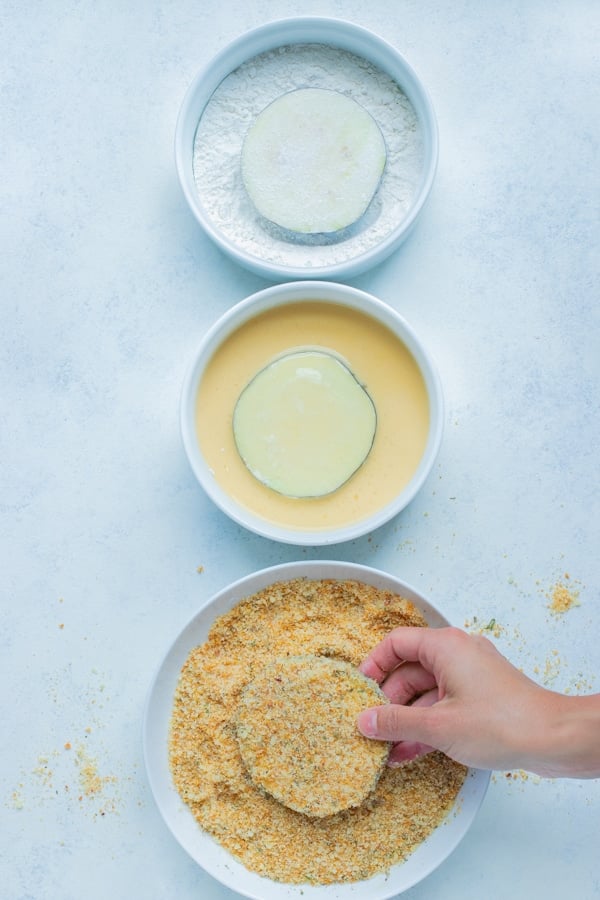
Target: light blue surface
x=108 y=284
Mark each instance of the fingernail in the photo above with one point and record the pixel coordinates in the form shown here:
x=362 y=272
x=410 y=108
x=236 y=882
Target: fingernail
x=367 y=722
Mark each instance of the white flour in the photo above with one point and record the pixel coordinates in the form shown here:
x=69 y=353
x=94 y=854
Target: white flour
x=245 y=93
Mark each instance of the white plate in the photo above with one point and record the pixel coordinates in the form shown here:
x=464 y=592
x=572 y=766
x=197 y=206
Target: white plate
x=213 y=858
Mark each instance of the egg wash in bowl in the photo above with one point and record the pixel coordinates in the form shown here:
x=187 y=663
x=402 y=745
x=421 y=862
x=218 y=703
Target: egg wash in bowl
x=387 y=421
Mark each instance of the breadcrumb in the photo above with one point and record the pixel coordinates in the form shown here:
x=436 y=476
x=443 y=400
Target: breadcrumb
x=339 y=620
x=562 y=598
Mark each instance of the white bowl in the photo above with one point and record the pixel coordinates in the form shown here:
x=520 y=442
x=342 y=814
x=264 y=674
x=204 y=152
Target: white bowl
x=287 y=32
x=212 y=856
x=300 y=292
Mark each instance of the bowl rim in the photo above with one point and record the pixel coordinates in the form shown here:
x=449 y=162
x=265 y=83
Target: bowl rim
x=283 y=294
x=218 y=863
x=335 y=32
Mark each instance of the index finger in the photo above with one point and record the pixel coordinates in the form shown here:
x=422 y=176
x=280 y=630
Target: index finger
x=404 y=644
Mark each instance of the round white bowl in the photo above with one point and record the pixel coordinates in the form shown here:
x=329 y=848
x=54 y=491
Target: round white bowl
x=305 y=30
x=296 y=292
x=212 y=856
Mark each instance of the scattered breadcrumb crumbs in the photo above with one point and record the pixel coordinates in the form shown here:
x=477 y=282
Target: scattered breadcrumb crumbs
x=491 y=627
x=17 y=801
x=337 y=620
x=562 y=597
x=552 y=668
x=90 y=781
x=199 y=569
x=521 y=775
x=43 y=772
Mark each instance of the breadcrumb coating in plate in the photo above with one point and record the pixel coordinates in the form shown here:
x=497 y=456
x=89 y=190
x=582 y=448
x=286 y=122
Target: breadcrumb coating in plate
x=337 y=619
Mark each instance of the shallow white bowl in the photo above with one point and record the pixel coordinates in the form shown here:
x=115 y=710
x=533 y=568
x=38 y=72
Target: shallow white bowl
x=295 y=292
x=201 y=847
x=305 y=30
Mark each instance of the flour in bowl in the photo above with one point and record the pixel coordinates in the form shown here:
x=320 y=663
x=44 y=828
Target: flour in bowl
x=232 y=109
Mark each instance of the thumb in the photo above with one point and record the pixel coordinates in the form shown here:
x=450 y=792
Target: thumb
x=394 y=722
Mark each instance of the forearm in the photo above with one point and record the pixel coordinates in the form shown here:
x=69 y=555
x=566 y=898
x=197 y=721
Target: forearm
x=566 y=744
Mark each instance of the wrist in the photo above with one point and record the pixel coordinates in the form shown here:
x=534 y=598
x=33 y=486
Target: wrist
x=566 y=742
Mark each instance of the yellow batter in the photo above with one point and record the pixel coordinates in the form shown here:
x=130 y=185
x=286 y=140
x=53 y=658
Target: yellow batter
x=377 y=358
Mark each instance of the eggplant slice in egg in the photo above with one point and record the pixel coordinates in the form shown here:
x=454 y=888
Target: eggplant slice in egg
x=304 y=424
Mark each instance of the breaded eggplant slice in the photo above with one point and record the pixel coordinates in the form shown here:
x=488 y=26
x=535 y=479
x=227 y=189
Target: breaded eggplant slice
x=297 y=734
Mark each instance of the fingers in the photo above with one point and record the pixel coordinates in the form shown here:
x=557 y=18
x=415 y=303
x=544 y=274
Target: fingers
x=396 y=647
x=406 y=682
x=371 y=669
x=397 y=723
x=408 y=643
x=427 y=699
x=406 y=751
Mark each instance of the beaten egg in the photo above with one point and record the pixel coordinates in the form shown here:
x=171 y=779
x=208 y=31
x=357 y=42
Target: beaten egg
x=378 y=360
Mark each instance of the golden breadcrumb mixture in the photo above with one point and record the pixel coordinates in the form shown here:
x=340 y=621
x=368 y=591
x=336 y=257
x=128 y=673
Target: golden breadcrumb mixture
x=562 y=598
x=340 y=620
x=296 y=730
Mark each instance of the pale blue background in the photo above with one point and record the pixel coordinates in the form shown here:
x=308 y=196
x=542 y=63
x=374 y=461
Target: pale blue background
x=108 y=284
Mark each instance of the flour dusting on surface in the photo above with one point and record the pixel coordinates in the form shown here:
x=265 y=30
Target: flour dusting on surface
x=244 y=93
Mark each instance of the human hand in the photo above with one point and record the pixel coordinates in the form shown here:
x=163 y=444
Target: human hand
x=467 y=700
